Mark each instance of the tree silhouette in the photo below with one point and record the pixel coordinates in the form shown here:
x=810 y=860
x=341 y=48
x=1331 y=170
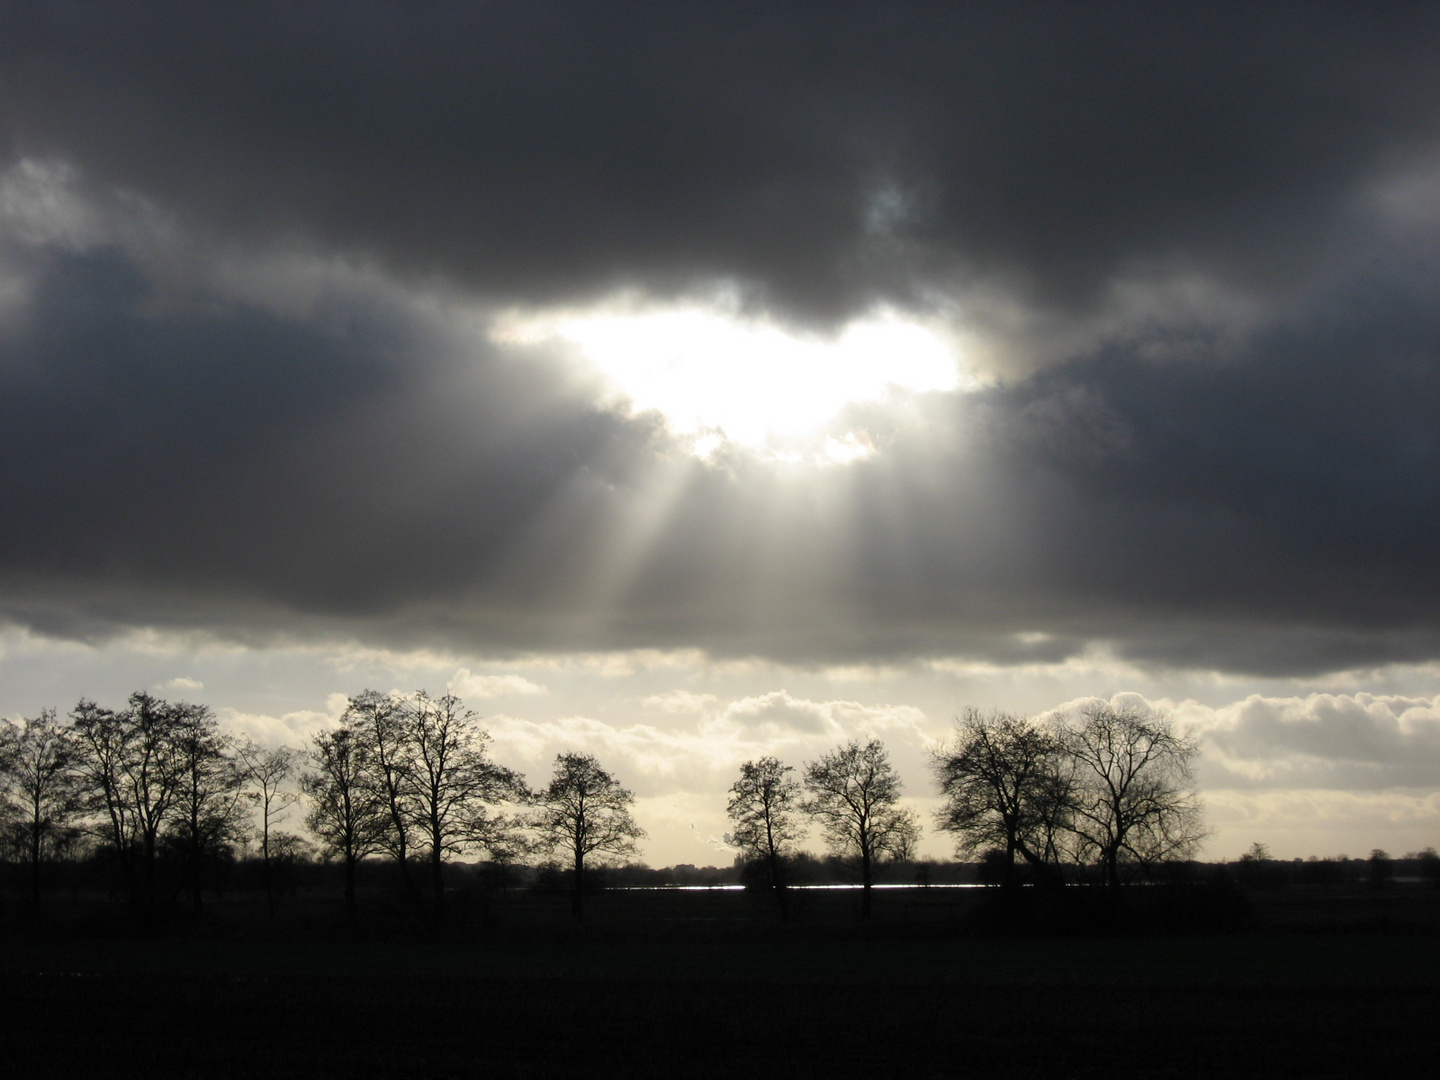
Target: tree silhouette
x=39 y=790
x=348 y=815
x=208 y=793
x=853 y=793
x=1006 y=789
x=1382 y=868
x=131 y=765
x=584 y=811
x=453 y=784
x=763 y=806
x=267 y=770
x=1135 y=798
x=379 y=721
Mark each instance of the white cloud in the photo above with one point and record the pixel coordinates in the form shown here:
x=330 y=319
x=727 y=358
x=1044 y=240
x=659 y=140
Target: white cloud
x=1096 y=660
x=290 y=729
x=1359 y=742
x=713 y=736
x=1356 y=741
x=468 y=685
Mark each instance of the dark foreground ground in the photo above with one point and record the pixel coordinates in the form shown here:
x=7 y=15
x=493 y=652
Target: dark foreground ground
x=693 y=985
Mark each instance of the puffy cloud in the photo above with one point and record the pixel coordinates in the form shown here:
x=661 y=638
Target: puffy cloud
x=290 y=729
x=777 y=711
x=467 y=685
x=701 y=739
x=1357 y=742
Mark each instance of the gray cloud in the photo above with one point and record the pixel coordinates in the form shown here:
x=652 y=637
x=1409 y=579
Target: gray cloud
x=1356 y=742
x=1191 y=245
x=548 y=150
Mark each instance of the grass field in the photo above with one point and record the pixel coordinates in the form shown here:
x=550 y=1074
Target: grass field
x=697 y=985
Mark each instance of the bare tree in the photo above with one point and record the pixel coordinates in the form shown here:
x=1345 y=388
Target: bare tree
x=853 y=792
x=101 y=742
x=348 y=815
x=378 y=720
x=1007 y=788
x=763 y=805
x=267 y=770
x=454 y=785
x=584 y=811
x=209 y=792
x=1135 y=798
x=130 y=762
x=39 y=790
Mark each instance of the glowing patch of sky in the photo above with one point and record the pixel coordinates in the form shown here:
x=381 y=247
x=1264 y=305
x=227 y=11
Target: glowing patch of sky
x=719 y=377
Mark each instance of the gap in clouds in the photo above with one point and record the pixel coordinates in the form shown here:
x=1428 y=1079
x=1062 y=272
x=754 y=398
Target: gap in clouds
x=1114 y=330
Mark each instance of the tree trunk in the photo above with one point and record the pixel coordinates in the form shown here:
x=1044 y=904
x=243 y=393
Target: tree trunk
x=781 y=897
x=866 y=878
x=265 y=862
x=407 y=879
x=35 y=865
x=197 y=859
x=196 y=874
x=149 y=883
x=350 y=911
x=577 y=901
x=437 y=883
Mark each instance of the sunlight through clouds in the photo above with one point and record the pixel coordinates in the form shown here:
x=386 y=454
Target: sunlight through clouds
x=718 y=376
x=744 y=392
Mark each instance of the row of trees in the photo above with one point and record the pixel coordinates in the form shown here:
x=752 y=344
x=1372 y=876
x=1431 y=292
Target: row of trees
x=156 y=777
x=408 y=777
x=1111 y=785
x=412 y=776
x=852 y=792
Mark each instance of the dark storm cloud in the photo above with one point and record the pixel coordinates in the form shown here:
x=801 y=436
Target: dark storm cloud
x=1273 y=514
x=1216 y=446
x=824 y=154
x=344 y=464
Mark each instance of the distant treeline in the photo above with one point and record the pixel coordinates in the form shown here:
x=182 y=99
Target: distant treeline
x=155 y=808
x=158 y=799
x=1257 y=869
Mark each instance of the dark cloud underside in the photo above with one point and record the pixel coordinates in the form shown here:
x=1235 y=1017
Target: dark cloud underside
x=540 y=150
x=1200 y=241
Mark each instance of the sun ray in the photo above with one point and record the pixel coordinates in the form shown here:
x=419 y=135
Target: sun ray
x=719 y=377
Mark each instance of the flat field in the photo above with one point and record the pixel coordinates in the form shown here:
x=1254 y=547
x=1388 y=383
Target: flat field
x=697 y=985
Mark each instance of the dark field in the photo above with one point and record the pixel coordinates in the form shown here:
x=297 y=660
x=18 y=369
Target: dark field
x=699 y=984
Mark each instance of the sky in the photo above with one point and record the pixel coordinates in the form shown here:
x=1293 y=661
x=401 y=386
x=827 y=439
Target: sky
x=685 y=383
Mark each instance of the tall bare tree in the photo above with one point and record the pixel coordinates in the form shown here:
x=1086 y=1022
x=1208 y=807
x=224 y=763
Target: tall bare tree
x=348 y=815
x=38 y=786
x=1135 y=797
x=764 y=807
x=854 y=793
x=267 y=771
x=1007 y=788
x=131 y=763
x=584 y=811
x=454 y=785
x=379 y=721
x=209 y=793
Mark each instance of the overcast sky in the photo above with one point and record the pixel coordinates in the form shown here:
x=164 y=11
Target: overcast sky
x=688 y=382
